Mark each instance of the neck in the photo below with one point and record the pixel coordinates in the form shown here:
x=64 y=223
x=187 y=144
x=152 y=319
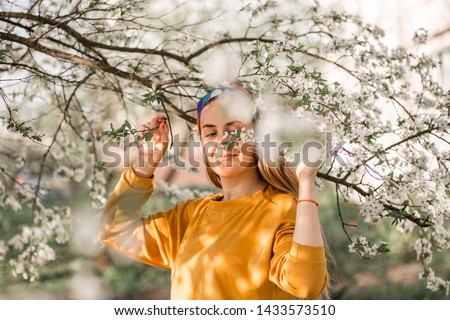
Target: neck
x=245 y=184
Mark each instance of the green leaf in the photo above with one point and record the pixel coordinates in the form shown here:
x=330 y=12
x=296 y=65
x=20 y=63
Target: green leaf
x=148 y=136
x=383 y=248
x=296 y=69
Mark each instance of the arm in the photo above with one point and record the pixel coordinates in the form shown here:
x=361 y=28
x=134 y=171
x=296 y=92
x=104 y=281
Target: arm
x=299 y=264
x=153 y=240
x=307 y=227
x=298 y=269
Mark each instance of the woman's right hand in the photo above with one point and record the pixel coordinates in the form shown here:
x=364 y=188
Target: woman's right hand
x=152 y=152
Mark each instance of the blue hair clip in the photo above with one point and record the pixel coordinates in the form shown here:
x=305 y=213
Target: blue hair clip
x=214 y=93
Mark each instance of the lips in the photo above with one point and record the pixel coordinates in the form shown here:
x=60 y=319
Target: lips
x=227 y=155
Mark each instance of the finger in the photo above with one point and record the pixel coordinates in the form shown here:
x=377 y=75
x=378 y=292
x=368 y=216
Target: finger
x=144 y=128
x=156 y=122
x=161 y=118
x=164 y=132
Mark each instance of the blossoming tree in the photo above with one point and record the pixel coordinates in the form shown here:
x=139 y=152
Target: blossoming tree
x=64 y=64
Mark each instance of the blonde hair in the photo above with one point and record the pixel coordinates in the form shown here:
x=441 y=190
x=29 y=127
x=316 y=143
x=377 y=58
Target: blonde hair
x=283 y=179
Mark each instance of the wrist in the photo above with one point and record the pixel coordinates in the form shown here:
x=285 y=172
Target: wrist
x=307 y=181
x=307 y=189
x=308 y=200
x=145 y=171
x=148 y=159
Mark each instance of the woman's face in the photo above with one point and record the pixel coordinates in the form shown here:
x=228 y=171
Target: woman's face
x=215 y=120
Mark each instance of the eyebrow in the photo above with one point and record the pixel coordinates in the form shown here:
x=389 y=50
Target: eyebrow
x=226 y=124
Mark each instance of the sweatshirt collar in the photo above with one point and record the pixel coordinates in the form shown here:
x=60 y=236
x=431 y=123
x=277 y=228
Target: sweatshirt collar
x=216 y=201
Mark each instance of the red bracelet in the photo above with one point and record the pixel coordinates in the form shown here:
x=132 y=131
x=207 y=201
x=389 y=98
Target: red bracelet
x=317 y=204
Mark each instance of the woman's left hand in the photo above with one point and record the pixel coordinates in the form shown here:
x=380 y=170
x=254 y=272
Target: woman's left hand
x=307 y=168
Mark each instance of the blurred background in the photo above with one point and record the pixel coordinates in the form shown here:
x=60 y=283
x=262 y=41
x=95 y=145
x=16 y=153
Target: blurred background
x=83 y=269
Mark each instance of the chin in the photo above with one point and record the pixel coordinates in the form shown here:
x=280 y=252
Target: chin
x=228 y=172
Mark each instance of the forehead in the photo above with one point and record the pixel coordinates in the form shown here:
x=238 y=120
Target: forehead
x=226 y=109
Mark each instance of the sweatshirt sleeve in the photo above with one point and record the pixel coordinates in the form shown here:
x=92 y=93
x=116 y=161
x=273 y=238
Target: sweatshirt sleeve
x=297 y=269
x=153 y=240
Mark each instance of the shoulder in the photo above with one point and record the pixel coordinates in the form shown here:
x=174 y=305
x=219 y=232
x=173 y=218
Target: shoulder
x=282 y=202
x=192 y=205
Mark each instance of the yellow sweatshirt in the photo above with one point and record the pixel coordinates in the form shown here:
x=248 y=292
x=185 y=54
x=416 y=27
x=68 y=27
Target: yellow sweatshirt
x=237 y=249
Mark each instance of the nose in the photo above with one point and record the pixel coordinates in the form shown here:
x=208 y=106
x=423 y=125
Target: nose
x=221 y=144
x=228 y=144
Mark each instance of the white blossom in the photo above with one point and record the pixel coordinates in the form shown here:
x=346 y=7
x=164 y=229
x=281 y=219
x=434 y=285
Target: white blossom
x=365 y=247
x=420 y=36
x=363 y=240
x=435 y=283
x=352 y=248
x=64 y=172
x=405 y=225
x=439 y=177
x=180 y=195
x=371 y=209
x=13 y=203
x=79 y=174
x=96 y=183
x=423 y=250
x=3 y=250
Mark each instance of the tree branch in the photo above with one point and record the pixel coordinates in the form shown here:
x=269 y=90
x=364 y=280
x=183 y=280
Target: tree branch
x=87 y=42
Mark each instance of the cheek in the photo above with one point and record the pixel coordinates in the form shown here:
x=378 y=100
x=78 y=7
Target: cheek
x=210 y=148
x=247 y=152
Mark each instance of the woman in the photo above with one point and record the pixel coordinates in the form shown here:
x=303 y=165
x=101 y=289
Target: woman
x=252 y=241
